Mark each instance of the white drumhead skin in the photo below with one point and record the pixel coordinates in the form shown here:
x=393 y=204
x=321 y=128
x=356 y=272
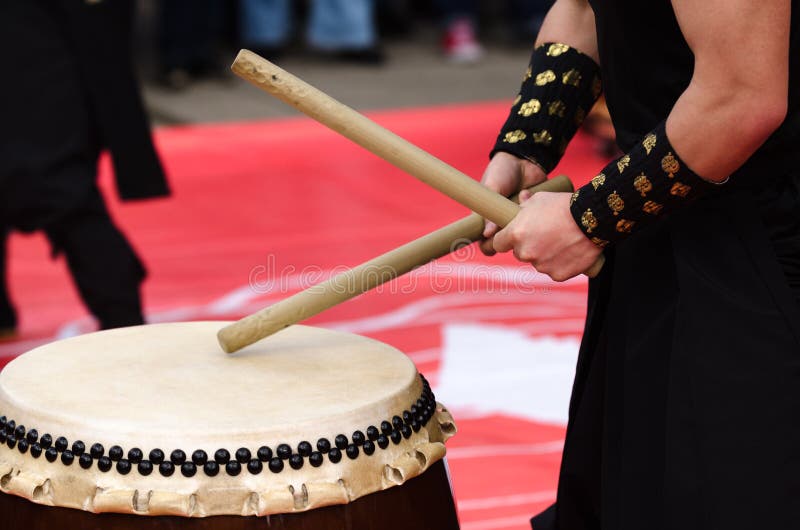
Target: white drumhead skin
x=169 y=386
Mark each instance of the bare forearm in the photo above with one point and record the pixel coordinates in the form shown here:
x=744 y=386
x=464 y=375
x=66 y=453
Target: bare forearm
x=571 y=22
x=738 y=93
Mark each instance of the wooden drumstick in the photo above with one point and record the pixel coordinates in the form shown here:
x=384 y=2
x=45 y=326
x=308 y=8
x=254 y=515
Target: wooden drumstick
x=362 y=278
x=378 y=140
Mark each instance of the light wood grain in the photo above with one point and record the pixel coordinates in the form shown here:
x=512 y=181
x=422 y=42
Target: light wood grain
x=360 y=279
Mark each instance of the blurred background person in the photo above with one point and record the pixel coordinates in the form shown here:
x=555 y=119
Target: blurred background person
x=340 y=29
x=189 y=35
x=73 y=94
x=460 y=20
x=459 y=39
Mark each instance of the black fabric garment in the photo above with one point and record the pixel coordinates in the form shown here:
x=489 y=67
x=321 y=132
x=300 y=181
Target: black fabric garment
x=8 y=315
x=69 y=92
x=104 y=267
x=685 y=407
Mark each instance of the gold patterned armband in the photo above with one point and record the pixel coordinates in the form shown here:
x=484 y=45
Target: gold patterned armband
x=558 y=90
x=635 y=190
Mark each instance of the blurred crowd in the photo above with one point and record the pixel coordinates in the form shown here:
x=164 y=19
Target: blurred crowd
x=191 y=33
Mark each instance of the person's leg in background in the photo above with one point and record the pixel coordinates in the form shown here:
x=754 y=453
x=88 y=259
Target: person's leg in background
x=104 y=266
x=459 y=37
x=345 y=29
x=189 y=33
x=8 y=316
x=265 y=26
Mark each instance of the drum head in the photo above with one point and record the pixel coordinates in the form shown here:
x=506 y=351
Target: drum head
x=157 y=420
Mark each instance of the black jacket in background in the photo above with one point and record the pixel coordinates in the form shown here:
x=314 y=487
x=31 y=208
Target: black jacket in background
x=68 y=92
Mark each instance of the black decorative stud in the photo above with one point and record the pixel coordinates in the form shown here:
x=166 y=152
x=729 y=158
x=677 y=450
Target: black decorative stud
x=358 y=437
x=211 y=469
x=386 y=427
x=32 y=436
x=177 y=457
x=352 y=451
x=145 y=467
x=135 y=455
x=188 y=469
x=46 y=442
x=233 y=468
x=397 y=422
x=97 y=450
x=405 y=430
x=199 y=458
x=103 y=464
x=296 y=461
x=304 y=449
x=341 y=441
x=36 y=450
x=123 y=467
x=19 y=432
x=11 y=441
x=51 y=454
x=276 y=465
x=85 y=461
x=396 y=437
x=166 y=469
x=243 y=455
x=222 y=456
x=255 y=466
x=315 y=459
x=369 y=447
x=284 y=452
x=156 y=456
x=115 y=453
x=67 y=457
x=334 y=455
x=373 y=433
x=61 y=444
x=323 y=445
x=22 y=446
x=383 y=441
x=264 y=453
x=78 y=448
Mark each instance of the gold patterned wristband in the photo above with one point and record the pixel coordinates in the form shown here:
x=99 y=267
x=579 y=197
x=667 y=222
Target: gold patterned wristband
x=558 y=90
x=635 y=190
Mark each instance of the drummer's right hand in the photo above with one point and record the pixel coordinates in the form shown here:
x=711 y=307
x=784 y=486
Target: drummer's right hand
x=507 y=175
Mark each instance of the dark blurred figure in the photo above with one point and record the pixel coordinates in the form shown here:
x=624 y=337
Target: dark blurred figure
x=72 y=94
x=459 y=34
x=460 y=20
x=339 y=29
x=189 y=34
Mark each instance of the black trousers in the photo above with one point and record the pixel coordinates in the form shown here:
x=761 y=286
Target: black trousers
x=104 y=267
x=687 y=389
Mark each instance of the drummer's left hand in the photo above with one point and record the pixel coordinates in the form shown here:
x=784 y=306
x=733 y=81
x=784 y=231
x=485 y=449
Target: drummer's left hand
x=545 y=235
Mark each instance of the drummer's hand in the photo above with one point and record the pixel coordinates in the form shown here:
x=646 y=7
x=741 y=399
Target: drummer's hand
x=506 y=174
x=545 y=235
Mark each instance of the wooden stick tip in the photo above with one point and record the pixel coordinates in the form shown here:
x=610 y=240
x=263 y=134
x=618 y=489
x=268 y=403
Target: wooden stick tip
x=224 y=343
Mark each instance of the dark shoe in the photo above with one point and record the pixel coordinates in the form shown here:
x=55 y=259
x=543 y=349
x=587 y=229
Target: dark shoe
x=175 y=79
x=373 y=56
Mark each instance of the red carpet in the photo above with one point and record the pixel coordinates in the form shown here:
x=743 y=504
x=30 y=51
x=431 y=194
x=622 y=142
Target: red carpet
x=263 y=209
